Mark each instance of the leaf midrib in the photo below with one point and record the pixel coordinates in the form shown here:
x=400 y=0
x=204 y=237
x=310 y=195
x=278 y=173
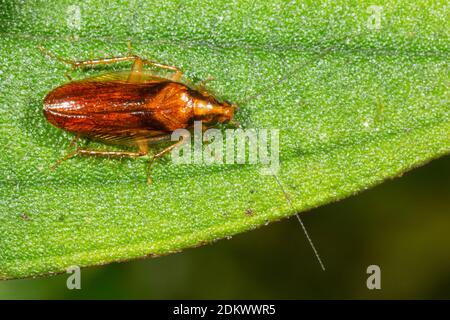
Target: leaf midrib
x=334 y=145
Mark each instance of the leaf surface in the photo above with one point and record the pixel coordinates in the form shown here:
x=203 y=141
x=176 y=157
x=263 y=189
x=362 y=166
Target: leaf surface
x=355 y=103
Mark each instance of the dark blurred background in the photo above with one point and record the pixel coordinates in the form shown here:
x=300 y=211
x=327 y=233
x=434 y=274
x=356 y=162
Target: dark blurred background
x=402 y=225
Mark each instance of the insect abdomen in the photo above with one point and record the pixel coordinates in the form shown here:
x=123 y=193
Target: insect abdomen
x=91 y=108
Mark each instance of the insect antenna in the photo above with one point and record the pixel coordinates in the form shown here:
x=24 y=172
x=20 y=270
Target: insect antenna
x=320 y=51
x=266 y=89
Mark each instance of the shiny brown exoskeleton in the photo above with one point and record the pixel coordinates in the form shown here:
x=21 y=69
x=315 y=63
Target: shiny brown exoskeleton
x=130 y=108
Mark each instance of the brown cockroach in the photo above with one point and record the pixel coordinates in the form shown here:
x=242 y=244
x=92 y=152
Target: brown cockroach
x=130 y=108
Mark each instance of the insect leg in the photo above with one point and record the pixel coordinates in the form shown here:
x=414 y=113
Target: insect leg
x=84 y=63
x=130 y=48
x=143 y=150
x=66 y=157
x=72 y=143
x=101 y=153
x=53 y=56
x=175 y=77
x=160 y=154
x=137 y=66
x=91 y=62
x=201 y=86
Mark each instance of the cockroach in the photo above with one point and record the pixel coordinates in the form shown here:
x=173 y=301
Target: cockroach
x=132 y=108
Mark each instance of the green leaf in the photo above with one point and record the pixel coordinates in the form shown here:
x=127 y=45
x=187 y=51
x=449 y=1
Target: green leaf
x=357 y=100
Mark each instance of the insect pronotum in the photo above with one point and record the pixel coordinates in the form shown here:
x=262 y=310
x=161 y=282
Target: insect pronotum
x=132 y=108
